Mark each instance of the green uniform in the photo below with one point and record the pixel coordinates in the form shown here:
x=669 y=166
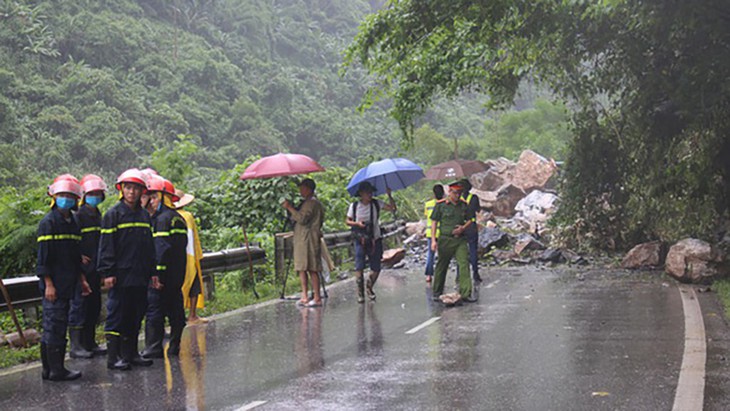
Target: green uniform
x=450 y=215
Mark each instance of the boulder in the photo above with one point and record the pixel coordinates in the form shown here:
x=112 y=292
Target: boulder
x=502 y=202
x=693 y=261
x=418 y=227
x=504 y=255
x=553 y=255
x=533 y=171
x=487 y=199
x=488 y=180
x=646 y=255
x=392 y=256
x=508 y=196
x=535 y=210
x=537 y=205
x=500 y=171
x=492 y=237
x=527 y=242
x=572 y=257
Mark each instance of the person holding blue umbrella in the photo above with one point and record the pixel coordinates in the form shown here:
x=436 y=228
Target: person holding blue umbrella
x=363 y=217
x=384 y=175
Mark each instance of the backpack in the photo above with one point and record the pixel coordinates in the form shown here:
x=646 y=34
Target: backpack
x=366 y=234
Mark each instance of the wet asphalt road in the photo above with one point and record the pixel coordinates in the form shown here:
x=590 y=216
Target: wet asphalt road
x=537 y=339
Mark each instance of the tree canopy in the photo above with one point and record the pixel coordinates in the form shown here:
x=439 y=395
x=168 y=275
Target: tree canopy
x=647 y=83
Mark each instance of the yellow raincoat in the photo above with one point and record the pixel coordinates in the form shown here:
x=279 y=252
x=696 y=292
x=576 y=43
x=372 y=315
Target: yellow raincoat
x=195 y=254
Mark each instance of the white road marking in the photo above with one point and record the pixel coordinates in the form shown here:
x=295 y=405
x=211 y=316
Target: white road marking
x=251 y=405
x=492 y=284
x=422 y=326
x=690 y=393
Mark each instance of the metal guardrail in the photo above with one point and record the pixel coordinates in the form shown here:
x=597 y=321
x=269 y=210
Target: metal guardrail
x=24 y=291
x=344 y=238
x=283 y=244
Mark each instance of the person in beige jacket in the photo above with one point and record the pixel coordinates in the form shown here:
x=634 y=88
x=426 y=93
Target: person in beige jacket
x=308 y=218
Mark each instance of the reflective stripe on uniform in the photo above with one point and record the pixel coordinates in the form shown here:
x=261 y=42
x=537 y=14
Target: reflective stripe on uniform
x=468 y=201
x=125 y=225
x=90 y=229
x=55 y=237
x=430 y=204
x=171 y=232
x=161 y=268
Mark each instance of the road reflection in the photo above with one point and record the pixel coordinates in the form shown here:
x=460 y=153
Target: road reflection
x=192 y=361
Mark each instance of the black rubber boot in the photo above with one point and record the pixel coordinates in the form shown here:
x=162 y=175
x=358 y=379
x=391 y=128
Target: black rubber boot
x=77 y=346
x=114 y=360
x=130 y=353
x=56 y=355
x=153 y=336
x=371 y=282
x=89 y=337
x=360 y=289
x=44 y=361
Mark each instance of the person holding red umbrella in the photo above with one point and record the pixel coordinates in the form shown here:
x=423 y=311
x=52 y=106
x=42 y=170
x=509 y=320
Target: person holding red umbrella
x=308 y=218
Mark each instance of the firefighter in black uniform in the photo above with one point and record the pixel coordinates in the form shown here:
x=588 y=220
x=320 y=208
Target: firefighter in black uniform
x=59 y=270
x=85 y=309
x=171 y=237
x=126 y=262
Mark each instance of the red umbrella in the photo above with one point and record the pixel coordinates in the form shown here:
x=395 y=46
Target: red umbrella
x=454 y=169
x=280 y=165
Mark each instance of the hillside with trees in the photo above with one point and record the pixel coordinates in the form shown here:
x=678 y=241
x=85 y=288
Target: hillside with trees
x=197 y=89
x=99 y=85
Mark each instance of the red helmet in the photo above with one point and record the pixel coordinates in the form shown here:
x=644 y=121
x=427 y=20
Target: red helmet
x=170 y=189
x=65 y=183
x=68 y=177
x=92 y=182
x=157 y=183
x=133 y=175
x=150 y=172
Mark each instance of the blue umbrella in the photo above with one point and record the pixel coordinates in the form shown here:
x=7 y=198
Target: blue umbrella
x=393 y=173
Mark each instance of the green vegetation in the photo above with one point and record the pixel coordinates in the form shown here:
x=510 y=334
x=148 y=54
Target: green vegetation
x=196 y=90
x=646 y=83
x=14 y=356
x=722 y=287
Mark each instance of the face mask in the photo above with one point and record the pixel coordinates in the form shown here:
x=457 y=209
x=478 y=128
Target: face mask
x=65 y=203
x=93 y=200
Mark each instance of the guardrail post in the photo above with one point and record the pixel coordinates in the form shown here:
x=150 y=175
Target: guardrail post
x=209 y=287
x=279 y=257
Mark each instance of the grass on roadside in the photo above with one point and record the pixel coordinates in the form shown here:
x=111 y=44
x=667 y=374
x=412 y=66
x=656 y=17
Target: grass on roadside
x=228 y=297
x=722 y=287
x=14 y=356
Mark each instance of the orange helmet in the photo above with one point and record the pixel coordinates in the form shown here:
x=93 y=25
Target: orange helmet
x=158 y=183
x=65 y=183
x=133 y=175
x=92 y=182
